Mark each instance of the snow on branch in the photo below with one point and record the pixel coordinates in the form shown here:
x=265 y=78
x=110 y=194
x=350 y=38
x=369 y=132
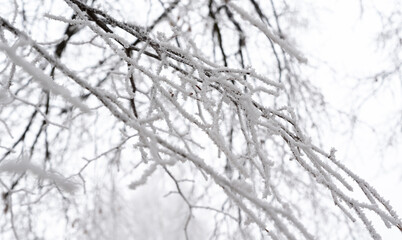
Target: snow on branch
x=258 y=24
x=24 y=165
x=201 y=105
x=45 y=81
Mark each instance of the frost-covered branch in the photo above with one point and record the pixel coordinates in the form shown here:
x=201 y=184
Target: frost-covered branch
x=175 y=106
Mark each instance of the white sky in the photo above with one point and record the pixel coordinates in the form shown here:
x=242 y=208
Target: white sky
x=342 y=43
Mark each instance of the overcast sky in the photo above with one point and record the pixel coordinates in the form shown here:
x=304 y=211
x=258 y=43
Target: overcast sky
x=343 y=46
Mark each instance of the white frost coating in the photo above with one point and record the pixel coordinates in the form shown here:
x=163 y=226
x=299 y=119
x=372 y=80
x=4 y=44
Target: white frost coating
x=252 y=112
x=204 y=82
x=283 y=44
x=24 y=165
x=144 y=177
x=45 y=81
